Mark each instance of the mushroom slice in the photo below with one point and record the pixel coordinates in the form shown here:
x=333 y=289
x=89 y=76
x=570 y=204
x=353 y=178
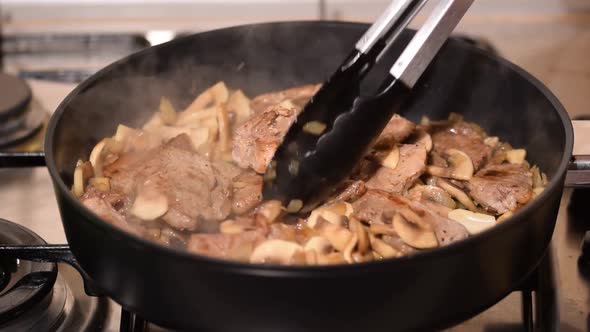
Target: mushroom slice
x=338 y=236
x=516 y=156
x=96 y=157
x=414 y=218
x=383 y=249
x=491 y=141
x=413 y=234
x=421 y=137
x=505 y=216
x=382 y=229
x=239 y=104
x=391 y=159
x=332 y=258
x=199 y=136
x=167 y=111
x=537 y=178
x=473 y=222
x=232 y=227
x=124 y=132
x=537 y=191
x=334 y=213
x=276 y=251
x=270 y=210
x=439 y=196
x=319 y=245
x=224 y=129
x=82 y=173
x=457 y=193
x=294 y=206
x=315 y=128
x=311 y=258
x=215 y=95
x=287 y=104
x=359 y=258
x=348 y=249
x=196 y=119
x=361 y=234
x=460 y=166
x=100 y=183
x=149 y=204
x=101 y=150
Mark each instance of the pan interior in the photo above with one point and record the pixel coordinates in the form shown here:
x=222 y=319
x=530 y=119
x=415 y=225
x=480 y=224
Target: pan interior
x=267 y=57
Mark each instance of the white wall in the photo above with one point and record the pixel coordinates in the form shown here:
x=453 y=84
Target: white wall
x=25 y=16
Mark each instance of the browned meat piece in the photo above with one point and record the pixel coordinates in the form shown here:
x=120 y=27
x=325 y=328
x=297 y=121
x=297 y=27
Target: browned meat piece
x=396 y=130
x=464 y=137
x=247 y=192
x=195 y=188
x=351 y=192
x=374 y=207
x=500 y=187
x=103 y=206
x=256 y=140
x=298 y=95
x=230 y=246
x=377 y=206
x=411 y=165
x=365 y=168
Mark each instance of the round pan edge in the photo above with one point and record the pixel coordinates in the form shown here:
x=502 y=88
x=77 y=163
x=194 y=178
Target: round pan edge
x=308 y=271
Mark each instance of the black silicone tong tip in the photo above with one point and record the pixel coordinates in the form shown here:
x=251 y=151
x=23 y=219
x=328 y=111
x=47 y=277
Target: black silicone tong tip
x=308 y=167
x=338 y=125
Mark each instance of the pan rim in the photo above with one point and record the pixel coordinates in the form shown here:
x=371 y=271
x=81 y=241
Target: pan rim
x=308 y=271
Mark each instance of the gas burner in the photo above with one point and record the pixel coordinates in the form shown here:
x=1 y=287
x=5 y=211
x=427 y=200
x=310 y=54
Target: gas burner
x=25 y=284
x=19 y=117
x=35 y=297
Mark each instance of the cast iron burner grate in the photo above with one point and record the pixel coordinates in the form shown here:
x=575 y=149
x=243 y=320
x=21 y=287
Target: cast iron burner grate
x=19 y=119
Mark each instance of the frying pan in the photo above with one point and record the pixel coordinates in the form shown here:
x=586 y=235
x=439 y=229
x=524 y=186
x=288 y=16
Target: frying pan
x=426 y=290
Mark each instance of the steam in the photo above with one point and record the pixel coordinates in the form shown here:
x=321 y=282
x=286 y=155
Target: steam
x=255 y=58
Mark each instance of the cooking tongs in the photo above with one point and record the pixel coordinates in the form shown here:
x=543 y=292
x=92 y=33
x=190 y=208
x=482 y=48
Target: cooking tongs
x=338 y=125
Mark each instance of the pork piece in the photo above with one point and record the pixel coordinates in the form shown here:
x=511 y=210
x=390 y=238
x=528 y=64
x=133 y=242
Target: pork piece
x=378 y=206
x=298 y=95
x=499 y=188
x=195 y=188
x=247 y=192
x=364 y=169
x=396 y=130
x=374 y=207
x=256 y=140
x=411 y=165
x=465 y=137
x=103 y=205
x=228 y=246
x=351 y=192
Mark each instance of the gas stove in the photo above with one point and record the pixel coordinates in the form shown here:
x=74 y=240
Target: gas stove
x=40 y=296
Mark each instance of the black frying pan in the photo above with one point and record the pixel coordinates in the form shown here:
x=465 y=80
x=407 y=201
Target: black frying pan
x=429 y=289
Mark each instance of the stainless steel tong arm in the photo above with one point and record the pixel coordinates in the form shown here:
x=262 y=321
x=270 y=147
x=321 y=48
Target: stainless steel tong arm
x=428 y=40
